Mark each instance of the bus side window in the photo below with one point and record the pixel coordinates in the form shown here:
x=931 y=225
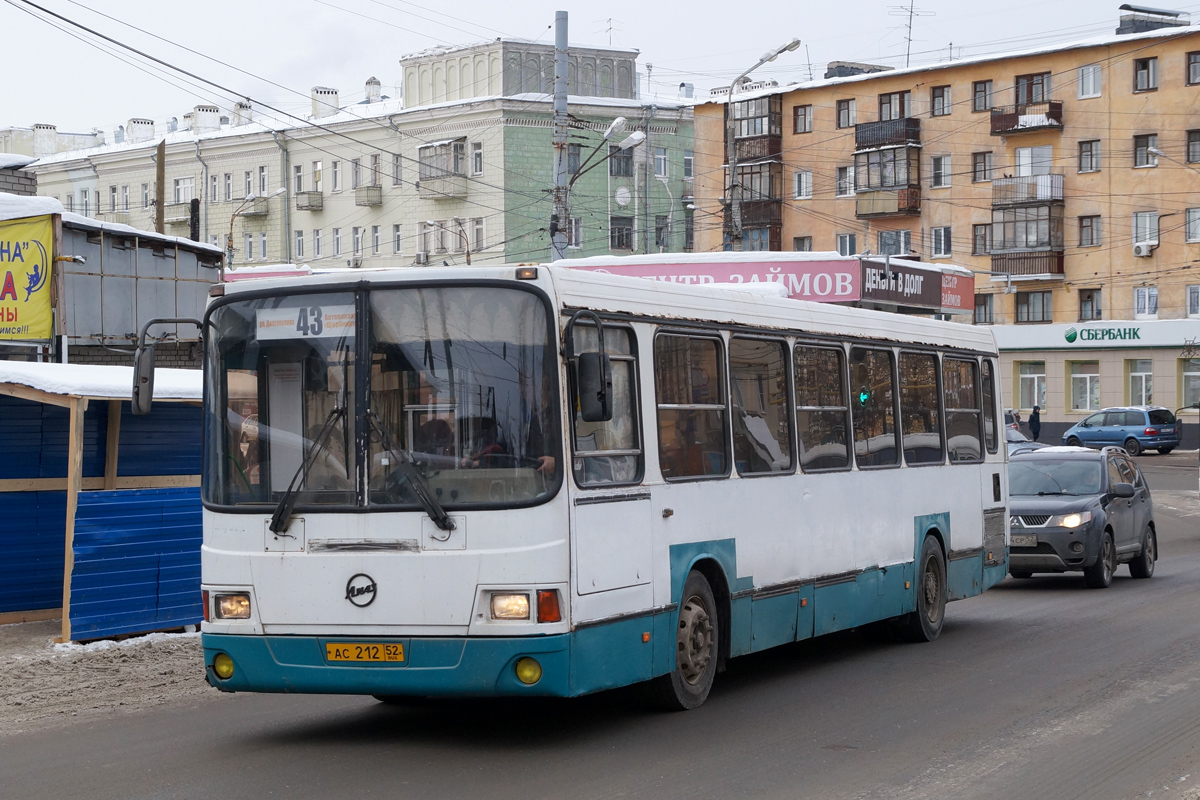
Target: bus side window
x=822 y=412
x=692 y=436
x=873 y=394
x=762 y=423
x=960 y=391
x=610 y=452
x=919 y=423
x=989 y=407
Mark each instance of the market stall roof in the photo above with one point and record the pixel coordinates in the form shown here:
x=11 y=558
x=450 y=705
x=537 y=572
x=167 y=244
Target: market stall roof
x=95 y=381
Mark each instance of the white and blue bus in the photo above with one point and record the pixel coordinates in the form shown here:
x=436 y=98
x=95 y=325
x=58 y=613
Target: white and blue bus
x=545 y=481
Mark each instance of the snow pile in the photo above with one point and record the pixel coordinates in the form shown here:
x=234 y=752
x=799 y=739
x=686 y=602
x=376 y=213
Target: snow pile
x=15 y=160
x=15 y=206
x=94 y=380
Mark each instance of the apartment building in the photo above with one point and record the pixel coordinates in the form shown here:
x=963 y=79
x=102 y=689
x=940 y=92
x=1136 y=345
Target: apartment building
x=1065 y=177
x=456 y=173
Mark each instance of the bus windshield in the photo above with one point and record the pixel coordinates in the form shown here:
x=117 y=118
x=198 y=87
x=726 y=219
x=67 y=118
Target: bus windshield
x=459 y=400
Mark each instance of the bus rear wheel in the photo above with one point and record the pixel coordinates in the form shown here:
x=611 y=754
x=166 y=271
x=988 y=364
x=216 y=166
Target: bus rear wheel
x=925 y=623
x=697 y=636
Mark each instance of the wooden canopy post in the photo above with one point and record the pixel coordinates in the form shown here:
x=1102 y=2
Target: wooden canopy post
x=74 y=482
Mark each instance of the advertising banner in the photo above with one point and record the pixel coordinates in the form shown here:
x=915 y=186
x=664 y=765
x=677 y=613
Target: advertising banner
x=26 y=254
x=821 y=281
x=902 y=285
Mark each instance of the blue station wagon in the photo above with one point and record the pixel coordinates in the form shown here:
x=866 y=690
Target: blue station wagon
x=1136 y=428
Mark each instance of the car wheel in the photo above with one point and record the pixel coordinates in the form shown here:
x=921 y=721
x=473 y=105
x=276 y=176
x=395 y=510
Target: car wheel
x=925 y=624
x=1165 y=450
x=1143 y=565
x=1133 y=446
x=1074 y=442
x=1100 y=574
x=1020 y=574
x=696 y=649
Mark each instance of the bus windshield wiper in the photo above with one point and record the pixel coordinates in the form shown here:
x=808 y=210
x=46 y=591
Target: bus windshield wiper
x=281 y=519
x=420 y=487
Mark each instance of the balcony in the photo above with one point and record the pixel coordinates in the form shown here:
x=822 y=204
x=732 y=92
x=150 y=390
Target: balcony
x=758 y=147
x=1007 y=120
x=887 y=133
x=368 y=196
x=115 y=216
x=310 y=201
x=442 y=187
x=887 y=202
x=1028 y=264
x=1027 y=189
x=255 y=208
x=177 y=213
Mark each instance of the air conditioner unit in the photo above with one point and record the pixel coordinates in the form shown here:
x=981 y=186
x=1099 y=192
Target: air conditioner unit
x=422 y=258
x=1144 y=249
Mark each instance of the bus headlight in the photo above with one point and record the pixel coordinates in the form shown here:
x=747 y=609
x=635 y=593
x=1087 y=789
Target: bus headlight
x=1070 y=520
x=232 y=606
x=510 y=606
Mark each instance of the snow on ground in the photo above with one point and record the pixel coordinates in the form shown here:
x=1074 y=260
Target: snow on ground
x=43 y=684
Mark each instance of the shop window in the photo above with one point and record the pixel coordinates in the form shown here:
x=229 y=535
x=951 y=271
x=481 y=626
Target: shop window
x=1085 y=385
x=1032 y=384
x=1141 y=381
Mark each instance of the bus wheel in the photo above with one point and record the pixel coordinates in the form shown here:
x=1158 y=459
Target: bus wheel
x=925 y=624
x=696 y=654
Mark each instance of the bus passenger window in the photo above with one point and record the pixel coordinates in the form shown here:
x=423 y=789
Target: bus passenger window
x=873 y=396
x=960 y=391
x=692 y=438
x=758 y=386
x=989 y=407
x=610 y=452
x=821 y=408
x=919 y=423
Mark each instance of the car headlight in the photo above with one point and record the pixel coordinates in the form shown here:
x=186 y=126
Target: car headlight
x=510 y=606
x=1073 y=520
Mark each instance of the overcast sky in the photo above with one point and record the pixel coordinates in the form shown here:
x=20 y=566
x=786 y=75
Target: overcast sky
x=51 y=76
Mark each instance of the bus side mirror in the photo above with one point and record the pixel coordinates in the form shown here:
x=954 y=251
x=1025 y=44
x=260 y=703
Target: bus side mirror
x=595 y=387
x=143 y=380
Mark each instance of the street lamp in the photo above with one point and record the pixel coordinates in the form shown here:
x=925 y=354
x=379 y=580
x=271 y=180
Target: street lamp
x=250 y=198
x=735 y=188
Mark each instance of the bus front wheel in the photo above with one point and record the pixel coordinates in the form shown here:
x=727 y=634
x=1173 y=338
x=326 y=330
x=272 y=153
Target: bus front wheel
x=925 y=623
x=697 y=636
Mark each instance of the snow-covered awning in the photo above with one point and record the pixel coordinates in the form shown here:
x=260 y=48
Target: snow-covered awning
x=96 y=382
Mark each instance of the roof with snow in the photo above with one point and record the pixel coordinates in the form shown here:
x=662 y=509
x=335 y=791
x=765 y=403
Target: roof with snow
x=444 y=49
x=15 y=160
x=100 y=382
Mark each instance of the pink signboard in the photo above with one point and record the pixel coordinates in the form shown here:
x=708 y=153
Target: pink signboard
x=820 y=281
x=958 y=293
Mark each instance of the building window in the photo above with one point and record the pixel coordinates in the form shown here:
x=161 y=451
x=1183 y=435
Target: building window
x=802 y=119
x=1190 y=371
x=895 y=243
x=1141 y=381
x=213 y=189
x=689 y=233
x=1193 y=301
x=1142 y=157
x=1089 y=81
x=337 y=176
x=761 y=181
x=397 y=240
x=262 y=181
x=1145 y=227
x=476 y=158
x=620 y=162
x=1033 y=88
x=1089 y=231
x=983 y=309
x=847 y=244
x=1032 y=387
x=297 y=179
x=981 y=167
x=887 y=168
x=1192 y=226
x=1028 y=228
x=374 y=240
x=316 y=242
x=1193 y=69
x=845 y=181
x=228 y=186
x=802 y=185
x=941 y=241
x=757 y=239
x=941 y=172
x=575 y=233
x=337 y=241
x=662 y=230
x=1090 y=307
x=1085 y=385
x=439 y=160
x=1193 y=146
x=112 y=198
x=145 y=198
x=1145 y=302
x=356 y=241
x=759 y=117
x=1145 y=74
x=894 y=105
x=689 y=165
x=477 y=225
x=397 y=169
x=262 y=246
x=248 y=184
x=249 y=251
x=356 y=173
x=981 y=96
x=1034 y=307
x=620 y=233
x=802 y=244
x=125 y=198
x=1089 y=156
x=981 y=240
x=574 y=153
x=299 y=244
x=375 y=170
x=184 y=189
x=660 y=162
x=845 y=113
x=941 y=101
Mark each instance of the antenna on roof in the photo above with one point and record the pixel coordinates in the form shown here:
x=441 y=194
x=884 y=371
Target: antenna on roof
x=808 y=57
x=910 y=12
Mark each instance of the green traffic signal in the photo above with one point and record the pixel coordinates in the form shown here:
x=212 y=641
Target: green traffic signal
x=864 y=394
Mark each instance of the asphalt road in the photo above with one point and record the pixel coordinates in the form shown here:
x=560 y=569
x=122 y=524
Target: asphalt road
x=1039 y=689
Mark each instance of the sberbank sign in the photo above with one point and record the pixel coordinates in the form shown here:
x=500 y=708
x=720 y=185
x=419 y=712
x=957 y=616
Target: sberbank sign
x=1102 y=334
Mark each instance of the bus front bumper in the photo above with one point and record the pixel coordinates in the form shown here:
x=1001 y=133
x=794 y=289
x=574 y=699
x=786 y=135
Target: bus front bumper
x=477 y=666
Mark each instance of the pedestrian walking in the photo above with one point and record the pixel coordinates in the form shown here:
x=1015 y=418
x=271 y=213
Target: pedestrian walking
x=1016 y=415
x=1035 y=423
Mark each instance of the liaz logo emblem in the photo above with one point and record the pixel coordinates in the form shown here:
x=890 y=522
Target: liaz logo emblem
x=360 y=590
x=1071 y=335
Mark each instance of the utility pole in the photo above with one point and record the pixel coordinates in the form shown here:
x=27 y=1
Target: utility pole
x=560 y=220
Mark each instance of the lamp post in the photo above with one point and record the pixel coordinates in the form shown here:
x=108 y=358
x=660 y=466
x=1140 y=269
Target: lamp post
x=461 y=232
x=735 y=188
x=250 y=198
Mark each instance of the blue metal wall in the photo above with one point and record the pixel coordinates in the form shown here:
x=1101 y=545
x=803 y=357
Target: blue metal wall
x=31 y=550
x=137 y=562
